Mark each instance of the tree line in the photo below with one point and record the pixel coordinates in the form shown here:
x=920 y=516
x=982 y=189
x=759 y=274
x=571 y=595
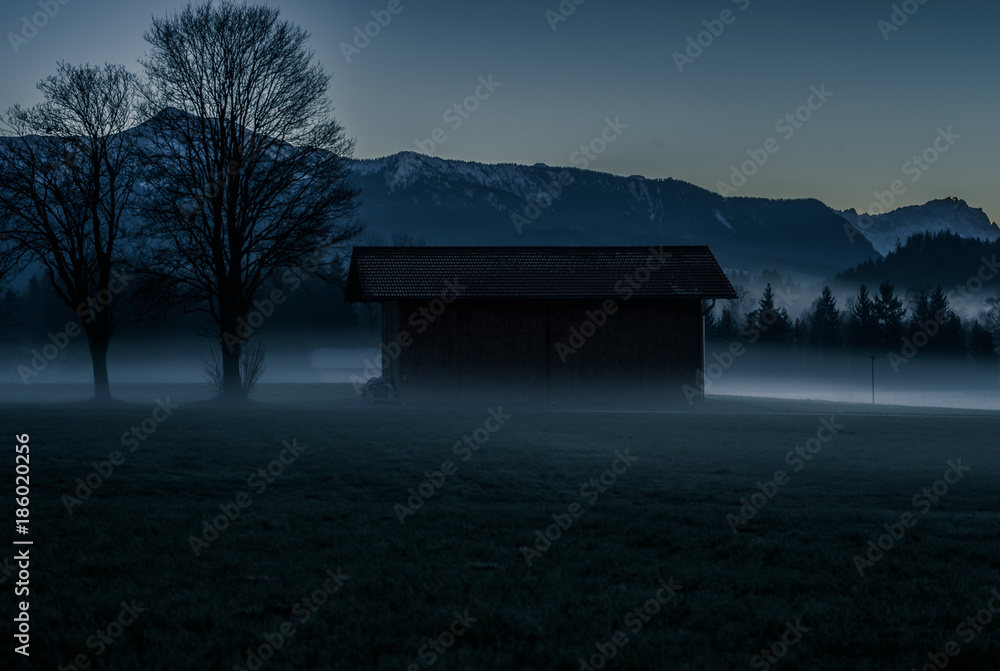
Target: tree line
x=927 y=259
x=878 y=320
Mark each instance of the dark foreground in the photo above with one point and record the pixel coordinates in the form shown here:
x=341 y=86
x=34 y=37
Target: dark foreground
x=308 y=532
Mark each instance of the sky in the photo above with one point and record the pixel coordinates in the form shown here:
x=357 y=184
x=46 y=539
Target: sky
x=891 y=104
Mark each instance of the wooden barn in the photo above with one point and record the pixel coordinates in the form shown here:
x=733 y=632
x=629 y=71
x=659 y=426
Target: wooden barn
x=540 y=324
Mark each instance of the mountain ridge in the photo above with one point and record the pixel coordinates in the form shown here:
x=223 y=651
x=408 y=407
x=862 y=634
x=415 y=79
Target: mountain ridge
x=542 y=204
x=450 y=201
x=952 y=214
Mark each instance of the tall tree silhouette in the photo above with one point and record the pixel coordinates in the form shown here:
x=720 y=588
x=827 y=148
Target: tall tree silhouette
x=933 y=315
x=247 y=169
x=862 y=323
x=67 y=174
x=889 y=317
x=824 y=320
x=11 y=257
x=982 y=346
x=768 y=324
x=728 y=325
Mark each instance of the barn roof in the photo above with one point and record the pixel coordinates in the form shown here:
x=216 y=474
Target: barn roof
x=391 y=273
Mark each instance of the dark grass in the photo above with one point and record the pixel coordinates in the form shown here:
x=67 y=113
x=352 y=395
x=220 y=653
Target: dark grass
x=663 y=518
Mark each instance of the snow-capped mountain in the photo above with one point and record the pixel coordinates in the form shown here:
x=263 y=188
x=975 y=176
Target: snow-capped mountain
x=884 y=231
x=450 y=202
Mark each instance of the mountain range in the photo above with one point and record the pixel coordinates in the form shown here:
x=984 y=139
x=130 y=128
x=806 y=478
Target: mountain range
x=886 y=231
x=451 y=202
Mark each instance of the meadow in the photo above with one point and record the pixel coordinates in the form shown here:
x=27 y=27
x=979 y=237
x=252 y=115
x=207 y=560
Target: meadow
x=308 y=531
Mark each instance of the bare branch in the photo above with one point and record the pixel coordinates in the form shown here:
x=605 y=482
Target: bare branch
x=246 y=171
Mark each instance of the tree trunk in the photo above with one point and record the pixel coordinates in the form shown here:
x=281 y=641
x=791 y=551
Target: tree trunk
x=232 y=384
x=98 y=339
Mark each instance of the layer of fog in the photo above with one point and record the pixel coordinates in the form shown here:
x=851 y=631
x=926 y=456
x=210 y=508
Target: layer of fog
x=799 y=373
x=760 y=371
x=304 y=359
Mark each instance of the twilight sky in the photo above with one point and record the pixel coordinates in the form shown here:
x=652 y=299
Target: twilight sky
x=897 y=90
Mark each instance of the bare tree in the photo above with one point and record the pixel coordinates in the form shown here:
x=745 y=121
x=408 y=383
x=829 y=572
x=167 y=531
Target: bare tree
x=67 y=173
x=252 y=356
x=11 y=254
x=248 y=173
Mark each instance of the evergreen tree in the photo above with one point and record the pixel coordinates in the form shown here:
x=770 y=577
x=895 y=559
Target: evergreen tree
x=728 y=327
x=952 y=335
x=824 y=320
x=933 y=325
x=889 y=317
x=730 y=324
x=798 y=331
x=926 y=258
x=711 y=322
x=861 y=323
x=768 y=323
x=982 y=347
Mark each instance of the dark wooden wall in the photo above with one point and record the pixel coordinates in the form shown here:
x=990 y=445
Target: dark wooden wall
x=504 y=351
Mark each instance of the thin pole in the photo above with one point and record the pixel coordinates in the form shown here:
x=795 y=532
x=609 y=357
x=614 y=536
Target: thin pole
x=873 y=379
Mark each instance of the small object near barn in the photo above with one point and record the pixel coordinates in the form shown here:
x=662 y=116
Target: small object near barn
x=540 y=324
x=378 y=390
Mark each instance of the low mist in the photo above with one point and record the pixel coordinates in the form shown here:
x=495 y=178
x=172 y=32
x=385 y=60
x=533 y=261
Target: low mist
x=845 y=375
x=760 y=371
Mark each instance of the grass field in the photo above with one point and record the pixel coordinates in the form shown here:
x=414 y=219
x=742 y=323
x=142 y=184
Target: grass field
x=456 y=573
